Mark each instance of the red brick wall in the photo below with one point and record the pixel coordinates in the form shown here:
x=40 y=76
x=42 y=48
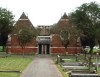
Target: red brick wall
x=16 y=48
x=57 y=50
x=56 y=41
x=19 y=50
x=56 y=46
x=70 y=50
x=14 y=41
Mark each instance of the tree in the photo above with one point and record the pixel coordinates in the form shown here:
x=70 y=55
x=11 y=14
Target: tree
x=6 y=25
x=25 y=35
x=53 y=28
x=65 y=36
x=86 y=18
x=98 y=36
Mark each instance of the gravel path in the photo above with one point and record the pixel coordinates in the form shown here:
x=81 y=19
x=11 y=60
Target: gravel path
x=42 y=66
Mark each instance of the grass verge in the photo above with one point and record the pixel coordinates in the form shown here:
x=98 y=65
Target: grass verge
x=14 y=63
x=64 y=74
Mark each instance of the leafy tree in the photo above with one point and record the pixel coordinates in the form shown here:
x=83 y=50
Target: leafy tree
x=25 y=35
x=65 y=36
x=86 y=18
x=52 y=29
x=6 y=25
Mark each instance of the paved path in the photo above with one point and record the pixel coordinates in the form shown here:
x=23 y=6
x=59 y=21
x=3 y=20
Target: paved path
x=42 y=66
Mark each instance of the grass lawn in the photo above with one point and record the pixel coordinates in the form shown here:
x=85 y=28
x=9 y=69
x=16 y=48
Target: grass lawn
x=71 y=60
x=14 y=63
x=61 y=70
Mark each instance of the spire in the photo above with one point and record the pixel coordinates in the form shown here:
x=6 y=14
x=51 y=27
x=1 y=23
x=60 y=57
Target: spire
x=23 y=16
x=64 y=16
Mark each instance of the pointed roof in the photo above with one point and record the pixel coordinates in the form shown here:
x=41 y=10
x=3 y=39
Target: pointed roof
x=64 y=16
x=62 y=23
x=22 y=22
x=23 y=16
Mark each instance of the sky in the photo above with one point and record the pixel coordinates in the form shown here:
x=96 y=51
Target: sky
x=42 y=12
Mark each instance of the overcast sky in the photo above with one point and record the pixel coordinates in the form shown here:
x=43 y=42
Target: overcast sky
x=42 y=12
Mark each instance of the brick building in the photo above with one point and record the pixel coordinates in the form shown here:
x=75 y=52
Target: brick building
x=14 y=46
x=74 y=43
x=45 y=42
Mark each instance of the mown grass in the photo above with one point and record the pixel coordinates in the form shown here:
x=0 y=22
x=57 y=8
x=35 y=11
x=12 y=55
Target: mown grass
x=3 y=74
x=71 y=60
x=64 y=74
x=14 y=63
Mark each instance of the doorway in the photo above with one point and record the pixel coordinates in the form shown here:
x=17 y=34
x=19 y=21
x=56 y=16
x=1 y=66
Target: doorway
x=48 y=49
x=40 y=48
x=43 y=48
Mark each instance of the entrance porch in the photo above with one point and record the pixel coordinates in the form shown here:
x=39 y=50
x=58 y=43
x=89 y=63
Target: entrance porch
x=43 y=44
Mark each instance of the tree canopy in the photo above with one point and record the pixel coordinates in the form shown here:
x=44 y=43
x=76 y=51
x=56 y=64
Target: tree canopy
x=53 y=28
x=25 y=35
x=6 y=25
x=86 y=18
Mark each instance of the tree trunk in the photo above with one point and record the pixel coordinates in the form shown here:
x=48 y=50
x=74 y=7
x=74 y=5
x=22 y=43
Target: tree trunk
x=85 y=53
x=91 y=51
x=5 y=50
x=65 y=50
x=23 y=53
x=90 y=62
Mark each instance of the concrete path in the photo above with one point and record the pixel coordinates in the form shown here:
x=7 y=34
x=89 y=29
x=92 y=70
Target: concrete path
x=42 y=66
